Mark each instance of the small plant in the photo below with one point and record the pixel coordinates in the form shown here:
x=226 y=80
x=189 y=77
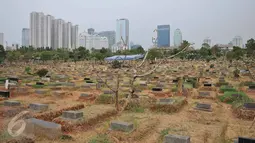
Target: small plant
x=100 y=138
x=212 y=66
x=42 y=72
x=28 y=70
x=104 y=99
x=163 y=133
x=116 y=64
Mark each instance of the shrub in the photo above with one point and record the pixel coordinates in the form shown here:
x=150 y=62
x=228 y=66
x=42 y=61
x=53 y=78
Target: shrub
x=100 y=138
x=212 y=66
x=226 y=88
x=28 y=70
x=116 y=64
x=42 y=72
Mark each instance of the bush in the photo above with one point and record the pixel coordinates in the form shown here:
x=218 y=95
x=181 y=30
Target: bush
x=226 y=89
x=28 y=70
x=212 y=66
x=104 y=99
x=219 y=84
x=116 y=64
x=42 y=72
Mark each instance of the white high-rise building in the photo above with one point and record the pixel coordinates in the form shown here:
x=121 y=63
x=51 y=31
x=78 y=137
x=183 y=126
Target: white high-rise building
x=177 y=38
x=25 y=37
x=58 y=25
x=75 y=37
x=238 y=41
x=92 y=41
x=67 y=35
x=207 y=41
x=2 y=39
x=122 y=31
x=45 y=31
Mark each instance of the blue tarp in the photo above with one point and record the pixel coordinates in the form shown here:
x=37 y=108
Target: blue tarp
x=124 y=57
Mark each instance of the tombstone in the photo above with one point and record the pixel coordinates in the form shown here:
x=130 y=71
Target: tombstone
x=204 y=107
x=208 y=85
x=39 y=91
x=246 y=140
x=15 y=79
x=155 y=77
x=84 y=95
x=59 y=93
x=11 y=103
x=73 y=115
x=122 y=126
x=175 y=81
x=236 y=95
x=160 y=85
x=250 y=106
x=89 y=81
x=39 y=128
x=157 y=89
x=204 y=93
x=176 y=139
x=252 y=87
x=108 y=92
x=165 y=101
x=39 y=83
x=38 y=107
x=5 y=94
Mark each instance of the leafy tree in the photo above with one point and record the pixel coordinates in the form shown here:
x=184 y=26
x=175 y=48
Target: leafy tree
x=46 y=55
x=215 y=50
x=153 y=53
x=116 y=64
x=2 y=53
x=237 y=52
x=250 y=45
x=205 y=45
x=13 y=56
x=42 y=72
x=205 y=52
x=184 y=44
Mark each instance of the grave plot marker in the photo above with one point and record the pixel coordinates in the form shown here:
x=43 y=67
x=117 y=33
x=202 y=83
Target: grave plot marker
x=11 y=103
x=204 y=93
x=122 y=126
x=203 y=107
x=73 y=115
x=176 y=139
x=249 y=106
x=38 y=107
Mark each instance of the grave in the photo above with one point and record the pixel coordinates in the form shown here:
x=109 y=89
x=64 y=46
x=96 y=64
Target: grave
x=59 y=93
x=13 y=79
x=108 y=92
x=250 y=106
x=4 y=93
x=39 y=83
x=157 y=89
x=11 y=103
x=40 y=91
x=39 y=128
x=38 y=107
x=165 y=101
x=252 y=87
x=122 y=126
x=246 y=140
x=208 y=85
x=175 y=81
x=236 y=95
x=176 y=139
x=73 y=115
x=204 y=93
x=203 y=107
x=84 y=95
x=86 y=78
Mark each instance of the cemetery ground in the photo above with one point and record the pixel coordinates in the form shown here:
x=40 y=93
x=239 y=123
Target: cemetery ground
x=76 y=103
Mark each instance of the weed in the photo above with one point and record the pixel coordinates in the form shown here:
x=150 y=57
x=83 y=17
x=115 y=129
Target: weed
x=100 y=138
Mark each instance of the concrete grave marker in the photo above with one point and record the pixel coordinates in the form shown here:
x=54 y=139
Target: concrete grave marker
x=72 y=114
x=38 y=107
x=4 y=93
x=165 y=101
x=11 y=103
x=204 y=93
x=157 y=89
x=246 y=140
x=122 y=126
x=108 y=92
x=250 y=106
x=252 y=87
x=40 y=91
x=176 y=139
x=203 y=107
x=39 y=128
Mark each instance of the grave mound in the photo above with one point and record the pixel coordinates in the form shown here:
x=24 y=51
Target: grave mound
x=172 y=107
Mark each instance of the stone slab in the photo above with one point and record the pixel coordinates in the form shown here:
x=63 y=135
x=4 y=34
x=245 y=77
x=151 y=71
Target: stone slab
x=165 y=101
x=203 y=107
x=246 y=140
x=39 y=128
x=122 y=126
x=156 y=89
x=250 y=106
x=4 y=93
x=11 y=103
x=38 y=107
x=39 y=91
x=72 y=114
x=204 y=93
x=176 y=139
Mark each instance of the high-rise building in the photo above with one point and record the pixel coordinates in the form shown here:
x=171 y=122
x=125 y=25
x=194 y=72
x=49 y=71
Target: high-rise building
x=25 y=37
x=92 y=41
x=177 y=38
x=67 y=35
x=45 y=31
x=91 y=31
x=75 y=37
x=238 y=41
x=2 y=39
x=110 y=36
x=208 y=41
x=163 y=35
x=122 y=33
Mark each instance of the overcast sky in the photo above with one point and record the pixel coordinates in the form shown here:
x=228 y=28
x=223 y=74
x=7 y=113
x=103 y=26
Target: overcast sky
x=220 y=20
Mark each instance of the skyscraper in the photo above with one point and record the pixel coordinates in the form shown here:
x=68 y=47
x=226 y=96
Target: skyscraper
x=110 y=36
x=67 y=35
x=177 y=38
x=36 y=29
x=58 y=33
x=48 y=31
x=163 y=33
x=75 y=37
x=238 y=41
x=122 y=31
x=2 y=39
x=25 y=37
x=208 y=41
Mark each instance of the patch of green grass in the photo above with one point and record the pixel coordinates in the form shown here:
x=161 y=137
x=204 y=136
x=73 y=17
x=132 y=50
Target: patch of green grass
x=188 y=85
x=163 y=133
x=235 y=101
x=100 y=138
x=225 y=88
x=104 y=99
x=138 y=109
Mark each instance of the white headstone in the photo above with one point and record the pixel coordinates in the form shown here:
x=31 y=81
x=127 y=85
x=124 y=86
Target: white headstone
x=6 y=84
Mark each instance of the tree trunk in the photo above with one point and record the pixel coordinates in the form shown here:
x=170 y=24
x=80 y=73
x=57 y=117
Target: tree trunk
x=117 y=94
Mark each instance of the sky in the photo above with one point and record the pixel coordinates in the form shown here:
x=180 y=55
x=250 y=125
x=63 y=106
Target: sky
x=221 y=20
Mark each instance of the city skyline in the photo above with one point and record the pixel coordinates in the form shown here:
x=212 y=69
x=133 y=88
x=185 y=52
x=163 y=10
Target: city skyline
x=195 y=19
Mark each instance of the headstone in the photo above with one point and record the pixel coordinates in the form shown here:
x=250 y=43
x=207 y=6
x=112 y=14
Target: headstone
x=246 y=140
x=11 y=103
x=175 y=81
x=156 y=89
x=204 y=107
x=38 y=107
x=207 y=85
x=84 y=95
x=72 y=114
x=122 y=126
x=86 y=78
x=165 y=101
x=39 y=91
x=203 y=93
x=252 y=87
x=39 y=83
x=108 y=92
x=249 y=105
x=176 y=139
x=39 y=128
x=15 y=79
x=236 y=95
x=5 y=94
